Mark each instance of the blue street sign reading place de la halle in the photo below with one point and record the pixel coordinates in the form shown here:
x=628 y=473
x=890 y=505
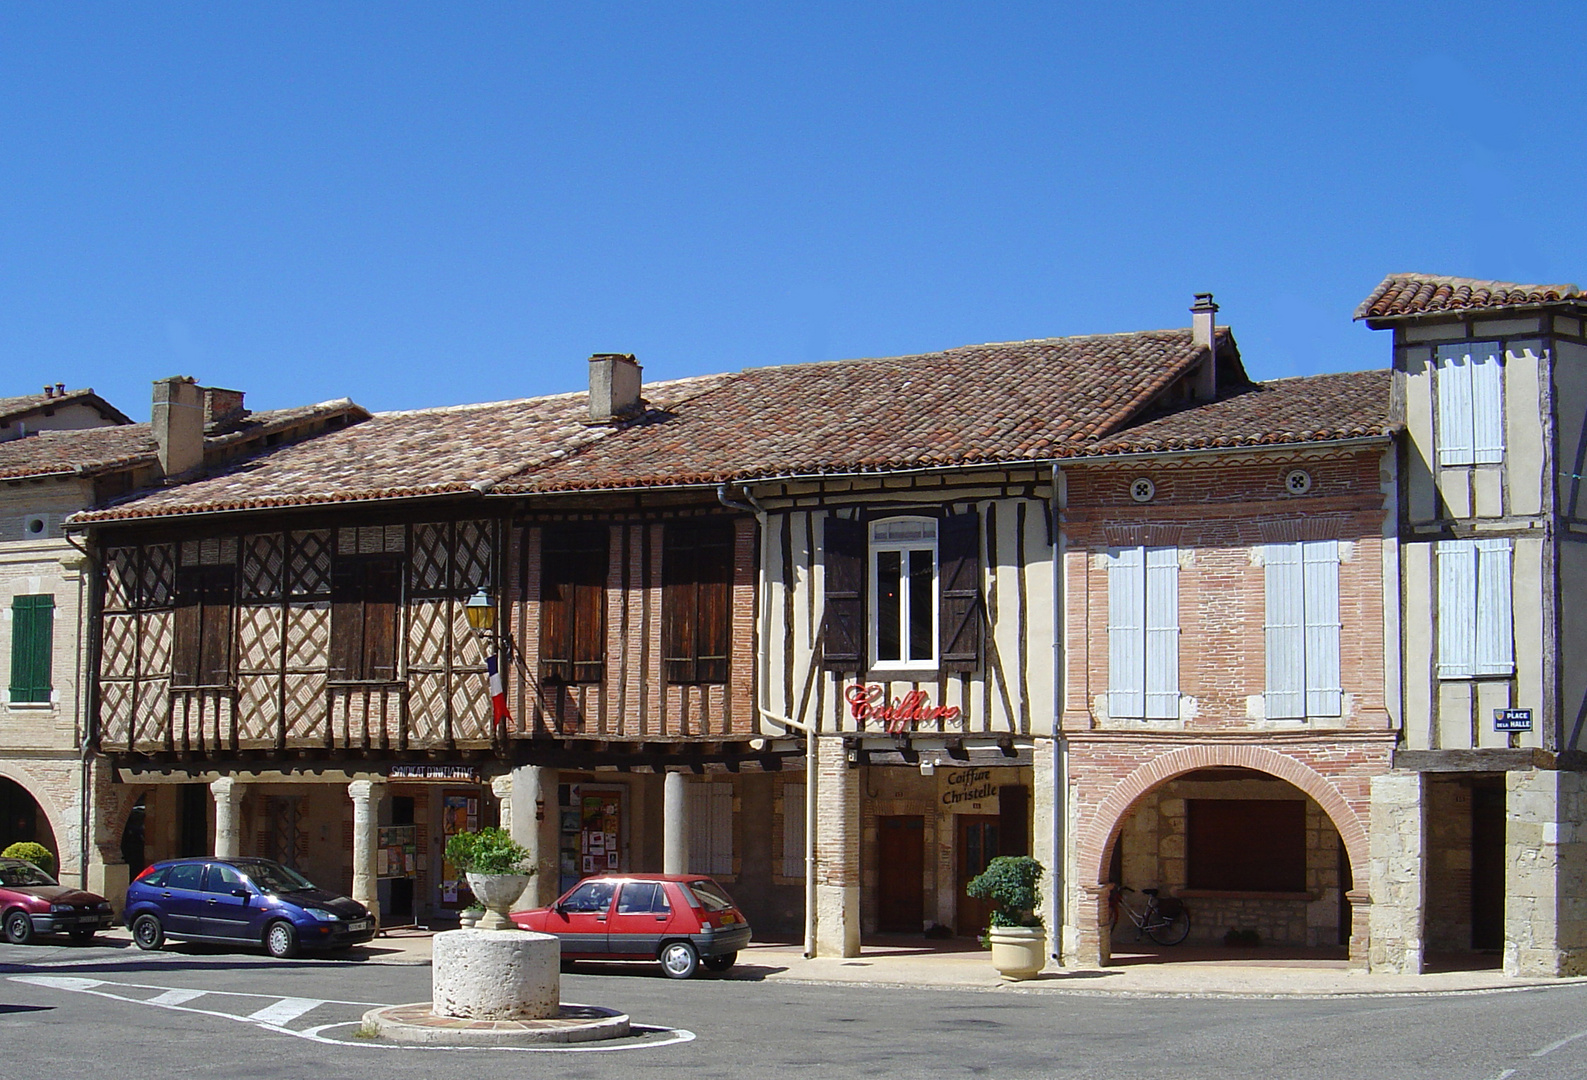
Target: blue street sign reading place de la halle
x=1512 y=719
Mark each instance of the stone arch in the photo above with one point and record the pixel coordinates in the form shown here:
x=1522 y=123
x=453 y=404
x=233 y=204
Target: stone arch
x=116 y=819
x=59 y=825
x=1095 y=844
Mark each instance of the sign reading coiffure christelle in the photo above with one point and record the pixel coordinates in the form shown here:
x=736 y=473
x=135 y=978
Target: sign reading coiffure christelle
x=868 y=704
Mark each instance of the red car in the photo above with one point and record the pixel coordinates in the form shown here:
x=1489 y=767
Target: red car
x=31 y=902
x=682 y=920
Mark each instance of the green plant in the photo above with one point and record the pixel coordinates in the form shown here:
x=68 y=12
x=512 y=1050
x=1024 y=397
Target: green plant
x=488 y=851
x=1009 y=881
x=37 y=854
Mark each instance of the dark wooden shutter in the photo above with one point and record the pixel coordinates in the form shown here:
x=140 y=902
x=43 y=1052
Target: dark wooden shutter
x=32 y=628
x=679 y=602
x=573 y=568
x=1013 y=822
x=843 y=640
x=959 y=555
x=187 y=628
x=589 y=611
x=714 y=619
x=347 y=619
x=556 y=609
x=218 y=591
x=382 y=594
x=697 y=580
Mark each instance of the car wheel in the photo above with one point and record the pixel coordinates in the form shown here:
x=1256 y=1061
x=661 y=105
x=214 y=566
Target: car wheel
x=82 y=937
x=19 y=927
x=147 y=933
x=679 y=960
x=720 y=963
x=281 y=940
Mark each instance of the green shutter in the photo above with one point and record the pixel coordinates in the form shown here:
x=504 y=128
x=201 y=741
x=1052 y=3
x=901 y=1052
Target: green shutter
x=32 y=630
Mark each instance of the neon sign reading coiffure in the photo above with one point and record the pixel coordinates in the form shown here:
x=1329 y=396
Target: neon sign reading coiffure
x=867 y=704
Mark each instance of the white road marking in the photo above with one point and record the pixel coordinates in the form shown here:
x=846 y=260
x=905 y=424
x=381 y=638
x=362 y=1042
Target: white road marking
x=275 y=1016
x=1551 y=1047
x=284 y=1011
x=175 y=997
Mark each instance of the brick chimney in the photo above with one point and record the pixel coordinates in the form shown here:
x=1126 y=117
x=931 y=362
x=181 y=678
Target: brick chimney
x=1203 y=333
x=178 y=422
x=222 y=405
x=614 y=387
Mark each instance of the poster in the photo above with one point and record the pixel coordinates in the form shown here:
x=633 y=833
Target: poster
x=459 y=813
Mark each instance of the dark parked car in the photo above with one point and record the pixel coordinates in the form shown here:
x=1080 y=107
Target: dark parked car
x=683 y=920
x=241 y=901
x=32 y=902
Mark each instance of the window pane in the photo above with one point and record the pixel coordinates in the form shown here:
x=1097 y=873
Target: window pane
x=889 y=615
x=921 y=605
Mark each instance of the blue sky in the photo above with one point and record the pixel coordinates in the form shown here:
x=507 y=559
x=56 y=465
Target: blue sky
x=425 y=204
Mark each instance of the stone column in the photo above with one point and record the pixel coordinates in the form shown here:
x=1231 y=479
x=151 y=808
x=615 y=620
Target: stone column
x=534 y=824
x=1360 y=934
x=675 y=824
x=228 y=800
x=1045 y=808
x=107 y=873
x=366 y=796
x=1398 y=873
x=1545 y=849
x=837 y=852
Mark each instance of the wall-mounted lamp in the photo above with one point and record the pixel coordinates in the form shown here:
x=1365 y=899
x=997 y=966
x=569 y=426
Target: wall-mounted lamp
x=481 y=612
x=540 y=809
x=928 y=766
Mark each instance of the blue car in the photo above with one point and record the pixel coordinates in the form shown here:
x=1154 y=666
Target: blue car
x=241 y=901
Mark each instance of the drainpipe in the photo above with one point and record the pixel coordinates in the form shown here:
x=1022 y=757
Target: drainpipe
x=1060 y=780
x=762 y=696
x=86 y=622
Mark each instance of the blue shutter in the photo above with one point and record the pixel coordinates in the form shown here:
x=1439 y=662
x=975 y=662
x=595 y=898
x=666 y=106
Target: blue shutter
x=1286 y=632
x=1457 y=608
x=1495 y=653
x=1487 y=403
x=1455 y=436
x=1162 y=633
x=1320 y=560
x=1127 y=632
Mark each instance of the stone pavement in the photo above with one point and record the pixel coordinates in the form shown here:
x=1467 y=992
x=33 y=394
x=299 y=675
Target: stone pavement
x=1189 y=972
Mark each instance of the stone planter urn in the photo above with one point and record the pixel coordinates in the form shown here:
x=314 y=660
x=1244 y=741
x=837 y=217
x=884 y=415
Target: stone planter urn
x=1018 y=952
x=497 y=893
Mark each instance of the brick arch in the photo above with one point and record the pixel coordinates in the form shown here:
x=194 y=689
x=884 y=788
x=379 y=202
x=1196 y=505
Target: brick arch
x=116 y=820
x=39 y=793
x=1095 y=845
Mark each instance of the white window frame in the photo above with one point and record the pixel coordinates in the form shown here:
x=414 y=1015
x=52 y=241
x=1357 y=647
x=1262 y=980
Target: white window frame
x=1470 y=384
x=1302 y=630
x=888 y=534
x=1476 y=628
x=1143 y=632
x=711 y=829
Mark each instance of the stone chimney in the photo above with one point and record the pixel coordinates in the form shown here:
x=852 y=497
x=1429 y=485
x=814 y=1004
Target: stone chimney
x=178 y=422
x=1203 y=334
x=222 y=405
x=614 y=387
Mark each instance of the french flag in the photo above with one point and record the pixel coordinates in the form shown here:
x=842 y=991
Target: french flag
x=498 y=693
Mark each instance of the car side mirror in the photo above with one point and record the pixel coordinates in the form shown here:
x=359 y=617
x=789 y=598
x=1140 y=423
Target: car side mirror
x=241 y=894
x=559 y=908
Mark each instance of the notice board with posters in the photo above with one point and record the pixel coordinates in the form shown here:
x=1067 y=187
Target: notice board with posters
x=592 y=833
x=459 y=813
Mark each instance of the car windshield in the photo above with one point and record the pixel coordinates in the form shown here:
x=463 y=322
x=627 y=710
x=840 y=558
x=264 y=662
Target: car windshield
x=710 y=895
x=274 y=878
x=15 y=874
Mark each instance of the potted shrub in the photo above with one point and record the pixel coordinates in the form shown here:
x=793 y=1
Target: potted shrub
x=37 y=854
x=1019 y=943
x=498 y=871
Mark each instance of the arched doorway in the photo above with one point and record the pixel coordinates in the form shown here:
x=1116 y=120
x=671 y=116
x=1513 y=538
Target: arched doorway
x=21 y=818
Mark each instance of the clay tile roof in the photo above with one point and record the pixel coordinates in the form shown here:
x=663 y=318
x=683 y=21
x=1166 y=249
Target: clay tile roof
x=13 y=407
x=1313 y=408
x=1014 y=401
x=89 y=451
x=398 y=455
x=1405 y=295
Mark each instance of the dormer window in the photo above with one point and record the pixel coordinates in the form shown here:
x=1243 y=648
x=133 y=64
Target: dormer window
x=1470 y=388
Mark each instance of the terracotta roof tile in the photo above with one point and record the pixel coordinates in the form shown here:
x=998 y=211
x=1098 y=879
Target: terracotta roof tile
x=1404 y=295
x=89 y=451
x=12 y=407
x=1312 y=408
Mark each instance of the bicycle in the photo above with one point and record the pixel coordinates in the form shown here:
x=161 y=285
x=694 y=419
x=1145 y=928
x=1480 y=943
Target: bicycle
x=1165 y=920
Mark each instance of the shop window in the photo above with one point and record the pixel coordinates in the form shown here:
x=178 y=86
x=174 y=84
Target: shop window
x=1470 y=385
x=711 y=828
x=1302 y=584
x=1475 y=629
x=366 y=591
x=696 y=586
x=903 y=593
x=32 y=648
x=1246 y=845
x=201 y=625
x=793 y=830
x=573 y=568
x=1143 y=632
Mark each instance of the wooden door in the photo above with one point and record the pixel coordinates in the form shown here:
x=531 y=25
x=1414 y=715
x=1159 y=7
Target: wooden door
x=1487 y=864
x=977 y=845
x=901 y=865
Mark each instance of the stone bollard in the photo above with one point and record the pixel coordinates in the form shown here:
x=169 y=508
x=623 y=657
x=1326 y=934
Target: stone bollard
x=496 y=975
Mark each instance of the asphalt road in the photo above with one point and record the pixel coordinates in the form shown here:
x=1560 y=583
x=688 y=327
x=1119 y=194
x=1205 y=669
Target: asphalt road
x=113 y=1012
